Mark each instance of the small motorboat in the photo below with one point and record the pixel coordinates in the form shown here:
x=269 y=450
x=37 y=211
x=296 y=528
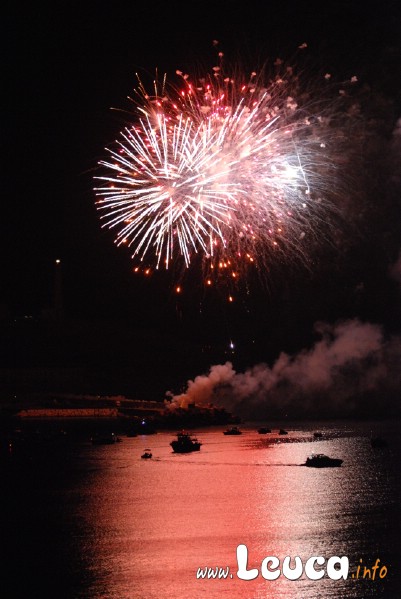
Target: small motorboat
x=318 y=435
x=147 y=454
x=185 y=443
x=263 y=430
x=282 y=432
x=233 y=431
x=319 y=460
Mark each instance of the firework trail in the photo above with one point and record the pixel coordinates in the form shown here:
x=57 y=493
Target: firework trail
x=224 y=170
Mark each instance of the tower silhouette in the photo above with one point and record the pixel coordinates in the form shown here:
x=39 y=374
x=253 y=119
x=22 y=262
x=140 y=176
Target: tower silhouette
x=58 y=307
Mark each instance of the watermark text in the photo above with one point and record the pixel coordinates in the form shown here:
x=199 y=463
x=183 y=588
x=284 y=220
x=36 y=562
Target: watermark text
x=292 y=568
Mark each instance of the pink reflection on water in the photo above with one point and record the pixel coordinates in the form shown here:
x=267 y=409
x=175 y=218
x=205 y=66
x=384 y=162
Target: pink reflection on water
x=153 y=523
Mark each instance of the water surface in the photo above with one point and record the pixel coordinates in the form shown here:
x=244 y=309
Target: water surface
x=99 y=522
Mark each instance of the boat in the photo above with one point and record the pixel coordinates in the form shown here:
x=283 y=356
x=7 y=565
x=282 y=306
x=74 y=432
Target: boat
x=147 y=454
x=263 y=430
x=282 y=432
x=378 y=443
x=318 y=435
x=319 y=460
x=105 y=439
x=234 y=430
x=184 y=443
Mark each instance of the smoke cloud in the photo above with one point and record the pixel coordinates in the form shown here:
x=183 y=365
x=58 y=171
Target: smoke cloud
x=352 y=370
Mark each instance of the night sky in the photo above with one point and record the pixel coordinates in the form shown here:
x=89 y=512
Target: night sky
x=66 y=65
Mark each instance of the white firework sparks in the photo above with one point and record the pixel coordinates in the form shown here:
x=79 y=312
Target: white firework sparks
x=231 y=172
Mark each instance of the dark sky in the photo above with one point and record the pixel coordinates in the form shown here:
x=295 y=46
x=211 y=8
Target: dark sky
x=66 y=64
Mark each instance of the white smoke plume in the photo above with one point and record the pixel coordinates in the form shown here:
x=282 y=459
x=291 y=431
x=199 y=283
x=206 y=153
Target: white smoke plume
x=351 y=370
x=200 y=391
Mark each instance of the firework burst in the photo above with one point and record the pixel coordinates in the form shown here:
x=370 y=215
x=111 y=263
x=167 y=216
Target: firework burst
x=224 y=170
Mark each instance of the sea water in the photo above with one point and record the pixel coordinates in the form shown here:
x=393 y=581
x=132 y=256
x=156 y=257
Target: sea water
x=99 y=522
